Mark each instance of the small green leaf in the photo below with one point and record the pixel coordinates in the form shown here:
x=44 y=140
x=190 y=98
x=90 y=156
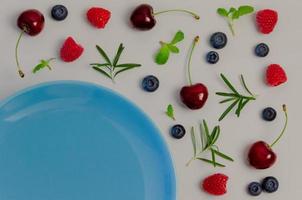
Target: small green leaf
x=124 y=69
x=38 y=67
x=128 y=65
x=239 y=108
x=213 y=158
x=202 y=138
x=43 y=64
x=227 y=100
x=214 y=140
x=173 y=48
x=100 y=65
x=235 y=15
x=228 y=110
x=222 y=12
x=228 y=83
x=207 y=132
x=102 y=52
x=170 y=112
x=163 y=55
x=102 y=72
x=232 y=9
x=222 y=155
x=245 y=85
x=193 y=138
x=211 y=162
x=179 y=36
x=244 y=10
x=118 y=54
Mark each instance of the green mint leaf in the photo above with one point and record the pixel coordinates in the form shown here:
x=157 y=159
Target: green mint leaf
x=179 y=36
x=118 y=54
x=170 y=112
x=38 y=67
x=163 y=55
x=232 y=9
x=235 y=15
x=43 y=64
x=173 y=48
x=222 y=12
x=244 y=10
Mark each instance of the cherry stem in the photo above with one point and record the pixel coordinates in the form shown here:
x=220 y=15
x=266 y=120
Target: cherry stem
x=178 y=10
x=17 y=57
x=190 y=59
x=284 y=128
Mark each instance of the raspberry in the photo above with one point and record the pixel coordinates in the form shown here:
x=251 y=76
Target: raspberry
x=275 y=75
x=98 y=17
x=215 y=184
x=266 y=20
x=70 y=50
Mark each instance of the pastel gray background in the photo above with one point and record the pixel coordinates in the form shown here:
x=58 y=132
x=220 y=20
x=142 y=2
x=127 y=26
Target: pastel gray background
x=236 y=58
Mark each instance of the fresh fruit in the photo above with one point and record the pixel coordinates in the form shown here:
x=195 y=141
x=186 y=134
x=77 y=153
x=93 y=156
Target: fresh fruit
x=234 y=14
x=30 y=22
x=150 y=83
x=143 y=16
x=212 y=57
x=70 y=50
x=262 y=50
x=194 y=96
x=261 y=154
x=218 y=40
x=269 y=114
x=254 y=189
x=112 y=68
x=266 y=20
x=215 y=184
x=275 y=75
x=178 y=131
x=270 y=184
x=59 y=12
x=208 y=144
x=98 y=17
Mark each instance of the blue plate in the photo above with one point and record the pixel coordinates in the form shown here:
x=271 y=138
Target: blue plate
x=78 y=141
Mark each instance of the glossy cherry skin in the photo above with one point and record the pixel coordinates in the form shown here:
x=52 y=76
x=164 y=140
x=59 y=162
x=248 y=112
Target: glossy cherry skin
x=142 y=17
x=194 y=96
x=261 y=155
x=31 y=22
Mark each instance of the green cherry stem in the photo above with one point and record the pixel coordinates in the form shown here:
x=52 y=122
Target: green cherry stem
x=17 y=56
x=178 y=10
x=284 y=128
x=196 y=40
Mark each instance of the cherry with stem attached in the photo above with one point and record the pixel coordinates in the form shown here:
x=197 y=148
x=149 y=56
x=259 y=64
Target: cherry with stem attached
x=30 y=22
x=143 y=16
x=194 y=96
x=261 y=154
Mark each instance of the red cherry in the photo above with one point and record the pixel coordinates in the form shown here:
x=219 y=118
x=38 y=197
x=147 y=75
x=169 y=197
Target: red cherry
x=31 y=22
x=143 y=16
x=261 y=155
x=194 y=96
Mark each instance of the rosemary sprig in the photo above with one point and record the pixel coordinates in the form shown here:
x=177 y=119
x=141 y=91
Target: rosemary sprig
x=237 y=99
x=112 y=69
x=206 y=142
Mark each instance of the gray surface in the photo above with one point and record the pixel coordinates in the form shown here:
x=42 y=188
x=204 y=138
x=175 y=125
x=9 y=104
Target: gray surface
x=236 y=58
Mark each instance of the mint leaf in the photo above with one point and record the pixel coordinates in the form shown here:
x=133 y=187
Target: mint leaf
x=163 y=55
x=222 y=12
x=235 y=15
x=232 y=9
x=43 y=64
x=170 y=112
x=179 y=36
x=173 y=48
x=244 y=10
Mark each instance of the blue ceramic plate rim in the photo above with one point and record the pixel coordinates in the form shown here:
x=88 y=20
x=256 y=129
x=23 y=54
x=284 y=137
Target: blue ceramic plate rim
x=116 y=95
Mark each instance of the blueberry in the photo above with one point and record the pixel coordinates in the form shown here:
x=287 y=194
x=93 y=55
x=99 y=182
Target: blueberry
x=262 y=50
x=270 y=184
x=59 y=12
x=150 y=83
x=212 y=57
x=269 y=114
x=218 y=40
x=254 y=188
x=178 y=131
